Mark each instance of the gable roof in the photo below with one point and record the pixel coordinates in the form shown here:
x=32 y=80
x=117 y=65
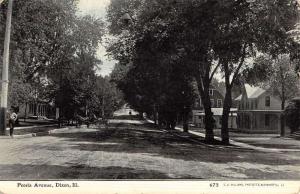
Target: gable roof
x=239 y=98
x=253 y=91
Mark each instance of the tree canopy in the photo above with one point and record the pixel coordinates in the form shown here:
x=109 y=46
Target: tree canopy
x=202 y=36
x=53 y=54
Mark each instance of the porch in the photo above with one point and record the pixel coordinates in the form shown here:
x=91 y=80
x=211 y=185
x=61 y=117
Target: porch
x=259 y=121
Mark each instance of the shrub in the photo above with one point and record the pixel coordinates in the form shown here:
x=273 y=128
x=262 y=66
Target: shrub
x=292 y=115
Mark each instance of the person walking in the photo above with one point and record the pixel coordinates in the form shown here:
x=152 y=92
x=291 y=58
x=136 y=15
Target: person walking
x=12 y=121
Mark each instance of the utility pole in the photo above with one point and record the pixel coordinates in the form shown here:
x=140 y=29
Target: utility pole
x=5 y=68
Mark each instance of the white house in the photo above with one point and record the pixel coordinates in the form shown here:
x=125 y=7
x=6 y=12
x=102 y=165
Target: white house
x=198 y=118
x=38 y=110
x=258 y=110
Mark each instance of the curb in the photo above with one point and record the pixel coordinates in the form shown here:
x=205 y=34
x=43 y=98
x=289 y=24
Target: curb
x=245 y=145
x=38 y=134
x=34 y=126
x=239 y=144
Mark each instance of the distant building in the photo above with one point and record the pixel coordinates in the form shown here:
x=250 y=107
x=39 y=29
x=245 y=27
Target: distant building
x=198 y=118
x=258 y=110
x=37 y=110
x=217 y=101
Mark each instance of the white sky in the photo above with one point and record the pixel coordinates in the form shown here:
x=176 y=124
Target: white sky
x=97 y=8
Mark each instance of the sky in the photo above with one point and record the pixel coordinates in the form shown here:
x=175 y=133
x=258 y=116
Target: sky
x=97 y=8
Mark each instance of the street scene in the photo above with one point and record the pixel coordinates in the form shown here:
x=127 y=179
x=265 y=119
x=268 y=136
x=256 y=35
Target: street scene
x=138 y=150
x=150 y=90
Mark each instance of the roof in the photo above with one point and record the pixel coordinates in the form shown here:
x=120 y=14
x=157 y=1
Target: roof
x=264 y=111
x=253 y=91
x=294 y=99
x=239 y=98
x=217 y=111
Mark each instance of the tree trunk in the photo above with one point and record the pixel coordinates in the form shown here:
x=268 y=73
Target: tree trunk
x=185 y=120
x=227 y=104
x=208 y=118
x=282 y=120
x=36 y=109
x=282 y=125
x=141 y=115
x=173 y=125
x=155 y=115
x=225 y=116
x=25 y=116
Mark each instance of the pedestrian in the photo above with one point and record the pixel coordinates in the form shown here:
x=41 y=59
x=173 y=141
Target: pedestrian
x=12 y=121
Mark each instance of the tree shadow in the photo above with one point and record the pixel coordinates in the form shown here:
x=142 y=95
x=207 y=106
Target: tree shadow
x=50 y=172
x=128 y=117
x=276 y=146
x=155 y=142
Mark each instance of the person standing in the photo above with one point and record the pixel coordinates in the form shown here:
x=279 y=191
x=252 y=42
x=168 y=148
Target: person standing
x=12 y=121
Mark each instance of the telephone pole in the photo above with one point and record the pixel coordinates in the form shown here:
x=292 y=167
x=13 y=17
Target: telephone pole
x=5 y=68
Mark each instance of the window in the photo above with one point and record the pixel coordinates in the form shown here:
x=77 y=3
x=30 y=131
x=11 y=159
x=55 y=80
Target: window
x=254 y=122
x=212 y=102
x=247 y=122
x=256 y=104
x=267 y=120
x=268 y=101
x=32 y=109
x=219 y=102
x=211 y=92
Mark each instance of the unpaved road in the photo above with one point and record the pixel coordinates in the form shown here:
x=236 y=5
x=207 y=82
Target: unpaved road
x=135 y=151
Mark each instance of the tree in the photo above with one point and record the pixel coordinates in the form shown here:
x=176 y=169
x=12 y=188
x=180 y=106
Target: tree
x=219 y=85
x=35 y=38
x=165 y=30
x=207 y=35
x=85 y=39
x=292 y=115
x=278 y=76
x=191 y=27
x=107 y=98
x=54 y=52
x=152 y=88
x=254 y=27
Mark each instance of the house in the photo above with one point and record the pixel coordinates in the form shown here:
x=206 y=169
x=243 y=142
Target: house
x=217 y=101
x=217 y=115
x=37 y=110
x=258 y=110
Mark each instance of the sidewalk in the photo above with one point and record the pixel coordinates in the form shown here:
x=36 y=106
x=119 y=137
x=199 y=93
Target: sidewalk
x=248 y=145
x=36 y=130
x=29 y=127
x=266 y=141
